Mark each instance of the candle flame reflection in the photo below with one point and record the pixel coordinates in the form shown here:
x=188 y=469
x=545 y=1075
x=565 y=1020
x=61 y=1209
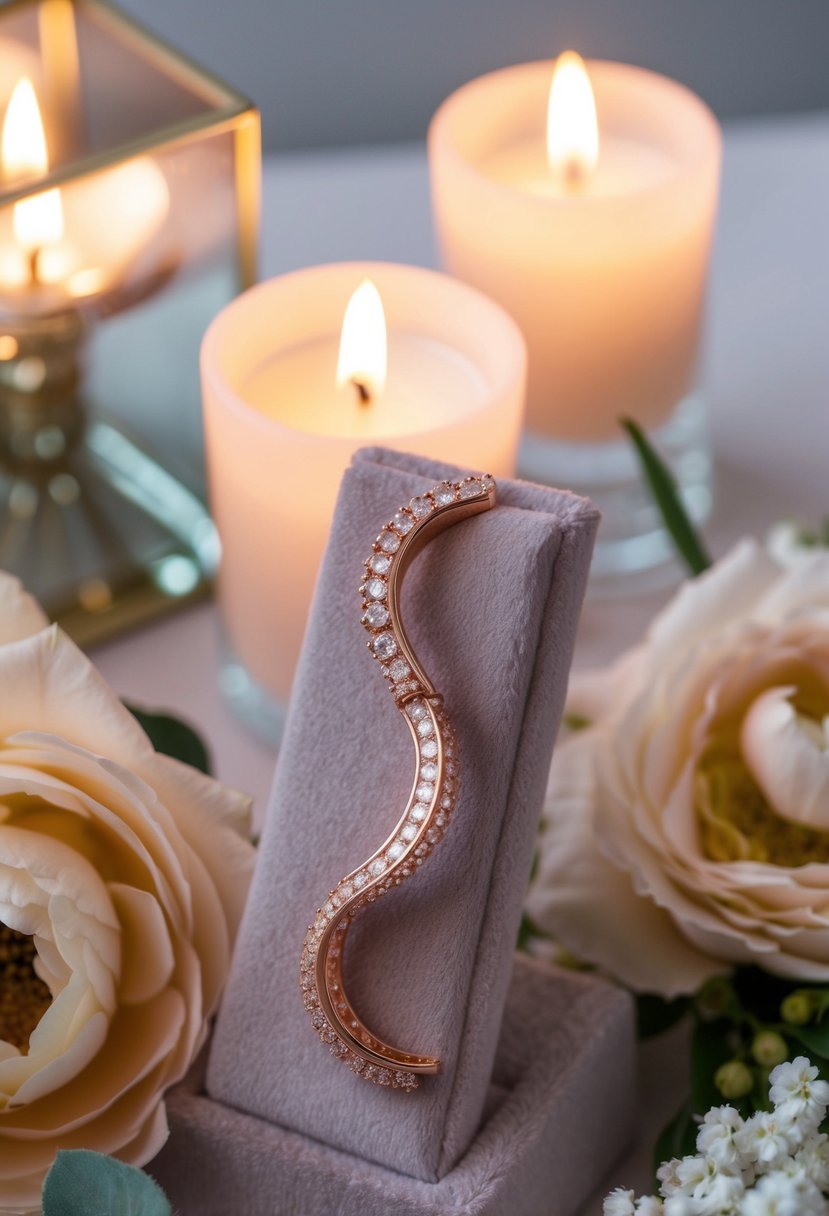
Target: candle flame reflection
x=362 y=358
x=572 y=126
x=38 y=220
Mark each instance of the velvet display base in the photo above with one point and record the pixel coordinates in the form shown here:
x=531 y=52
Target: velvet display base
x=490 y=607
x=559 y=1111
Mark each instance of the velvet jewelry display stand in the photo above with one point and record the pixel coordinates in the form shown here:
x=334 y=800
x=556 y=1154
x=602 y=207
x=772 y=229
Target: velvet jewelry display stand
x=535 y=1094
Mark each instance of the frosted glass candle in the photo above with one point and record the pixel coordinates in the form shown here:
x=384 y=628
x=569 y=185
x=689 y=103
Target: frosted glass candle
x=279 y=432
x=606 y=280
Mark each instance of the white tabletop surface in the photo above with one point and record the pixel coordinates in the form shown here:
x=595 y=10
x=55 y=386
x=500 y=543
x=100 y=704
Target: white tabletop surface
x=766 y=378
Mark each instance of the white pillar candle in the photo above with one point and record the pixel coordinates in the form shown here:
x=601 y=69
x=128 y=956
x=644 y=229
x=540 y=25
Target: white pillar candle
x=604 y=270
x=280 y=431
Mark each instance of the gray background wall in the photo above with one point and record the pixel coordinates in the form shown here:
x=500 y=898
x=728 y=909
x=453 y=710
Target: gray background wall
x=328 y=72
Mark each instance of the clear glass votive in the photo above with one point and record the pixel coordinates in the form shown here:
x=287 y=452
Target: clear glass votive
x=603 y=267
x=128 y=215
x=280 y=431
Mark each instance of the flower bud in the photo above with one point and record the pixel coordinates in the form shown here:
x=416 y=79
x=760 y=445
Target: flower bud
x=769 y=1048
x=715 y=998
x=798 y=1007
x=734 y=1079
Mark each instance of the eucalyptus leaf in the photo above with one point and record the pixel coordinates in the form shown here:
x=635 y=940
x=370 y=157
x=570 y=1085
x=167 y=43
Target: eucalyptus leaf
x=172 y=737
x=666 y=496
x=83 y=1183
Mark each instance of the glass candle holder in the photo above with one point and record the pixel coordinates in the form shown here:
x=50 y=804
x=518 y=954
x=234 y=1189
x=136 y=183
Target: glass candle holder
x=282 y=426
x=601 y=256
x=129 y=195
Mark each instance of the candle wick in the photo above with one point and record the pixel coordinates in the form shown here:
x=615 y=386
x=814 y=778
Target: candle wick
x=34 y=263
x=363 y=393
x=574 y=174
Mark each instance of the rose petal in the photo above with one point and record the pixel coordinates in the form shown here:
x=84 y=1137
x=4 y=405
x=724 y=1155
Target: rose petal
x=20 y=615
x=147 y=951
x=590 y=905
x=706 y=605
x=788 y=756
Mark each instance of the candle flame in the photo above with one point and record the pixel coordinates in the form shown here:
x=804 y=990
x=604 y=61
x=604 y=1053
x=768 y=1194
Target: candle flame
x=572 y=126
x=362 y=359
x=38 y=220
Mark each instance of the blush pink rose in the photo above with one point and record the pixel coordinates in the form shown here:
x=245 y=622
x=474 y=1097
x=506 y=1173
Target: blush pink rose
x=688 y=825
x=128 y=871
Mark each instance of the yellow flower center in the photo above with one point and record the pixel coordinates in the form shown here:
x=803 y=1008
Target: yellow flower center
x=737 y=823
x=24 y=998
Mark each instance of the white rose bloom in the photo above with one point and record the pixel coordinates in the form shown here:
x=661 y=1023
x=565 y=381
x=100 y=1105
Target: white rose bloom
x=126 y=872
x=688 y=826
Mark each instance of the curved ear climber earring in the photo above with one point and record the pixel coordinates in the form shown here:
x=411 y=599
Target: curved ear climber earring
x=431 y=802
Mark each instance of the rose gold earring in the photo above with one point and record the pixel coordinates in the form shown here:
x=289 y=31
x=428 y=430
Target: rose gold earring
x=430 y=804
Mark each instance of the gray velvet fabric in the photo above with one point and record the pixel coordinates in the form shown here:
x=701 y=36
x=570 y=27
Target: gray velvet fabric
x=491 y=608
x=560 y=1110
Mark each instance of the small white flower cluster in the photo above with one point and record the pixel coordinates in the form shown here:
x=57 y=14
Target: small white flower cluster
x=775 y=1163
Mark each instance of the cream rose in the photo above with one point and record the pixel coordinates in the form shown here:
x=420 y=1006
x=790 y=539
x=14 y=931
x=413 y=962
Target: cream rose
x=688 y=825
x=122 y=879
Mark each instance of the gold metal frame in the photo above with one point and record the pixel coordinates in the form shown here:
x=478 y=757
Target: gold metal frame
x=226 y=111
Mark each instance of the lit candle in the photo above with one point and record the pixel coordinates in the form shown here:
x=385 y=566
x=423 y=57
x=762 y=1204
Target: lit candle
x=65 y=245
x=288 y=399
x=585 y=206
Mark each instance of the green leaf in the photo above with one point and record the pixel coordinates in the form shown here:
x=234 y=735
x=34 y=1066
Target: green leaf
x=712 y=1044
x=527 y=930
x=82 y=1183
x=814 y=1038
x=172 y=737
x=576 y=722
x=678 y=1139
x=655 y=1015
x=663 y=487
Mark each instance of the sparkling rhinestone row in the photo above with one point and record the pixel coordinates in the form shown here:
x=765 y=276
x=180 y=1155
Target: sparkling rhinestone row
x=422 y=828
x=374 y=589
x=428 y=810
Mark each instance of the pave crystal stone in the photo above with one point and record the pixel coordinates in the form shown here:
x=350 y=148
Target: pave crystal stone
x=428 y=749
x=388 y=541
x=403 y=522
x=408 y=831
x=424 y=728
x=395 y=850
x=424 y=792
x=488 y=482
x=384 y=645
x=429 y=771
x=379 y=563
x=419 y=812
x=376 y=615
x=417 y=710
x=360 y=880
x=377 y=866
x=470 y=488
x=399 y=669
x=421 y=507
x=375 y=589
x=444 y=494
